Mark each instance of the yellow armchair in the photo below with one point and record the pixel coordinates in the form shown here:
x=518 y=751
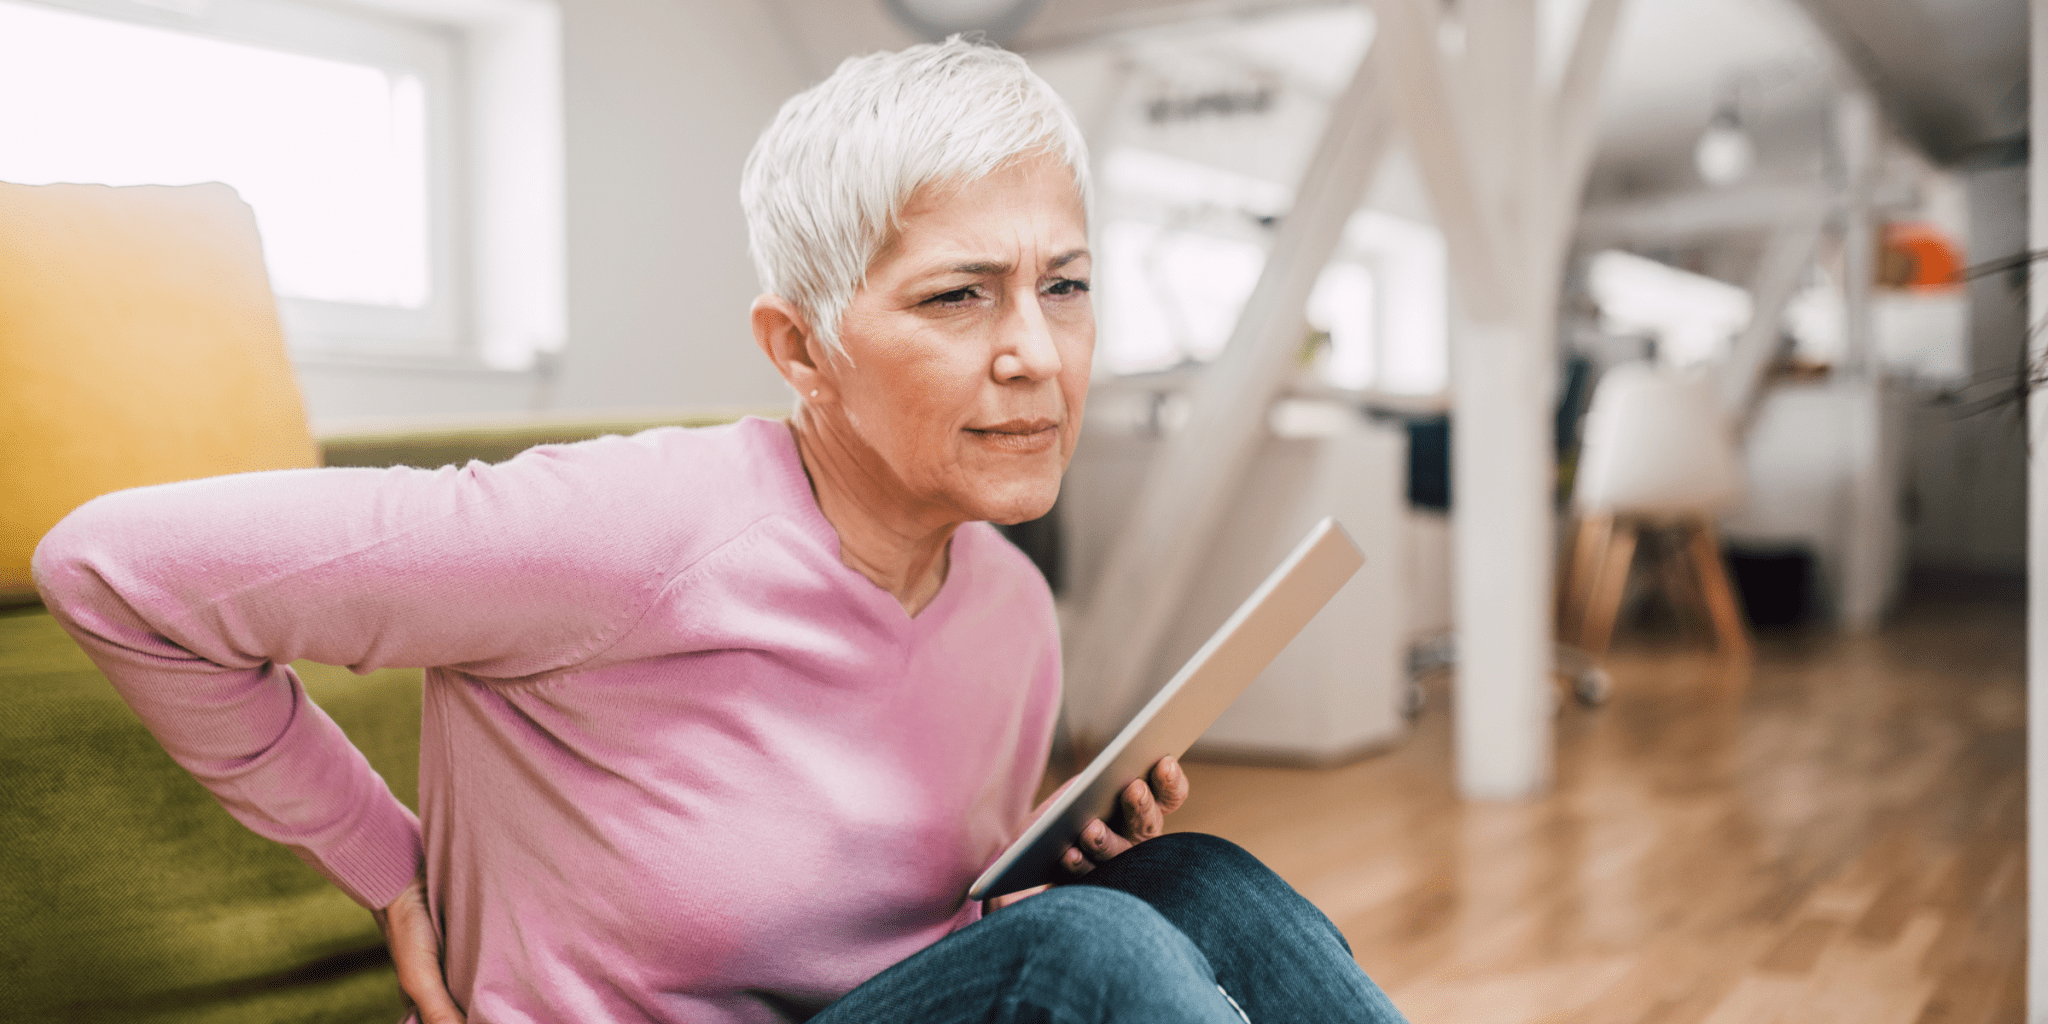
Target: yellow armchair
x=139 y=344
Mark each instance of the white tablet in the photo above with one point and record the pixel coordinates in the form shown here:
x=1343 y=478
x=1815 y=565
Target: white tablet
x=1185 y=707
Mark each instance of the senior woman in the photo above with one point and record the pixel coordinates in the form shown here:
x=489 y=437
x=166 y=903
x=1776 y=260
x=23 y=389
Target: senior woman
x=719 y=724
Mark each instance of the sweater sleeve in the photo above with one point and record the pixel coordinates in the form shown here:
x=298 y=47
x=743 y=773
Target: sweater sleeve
x=194 y=597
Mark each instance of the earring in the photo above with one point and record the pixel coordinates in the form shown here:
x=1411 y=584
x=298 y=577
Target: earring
x=814 y=392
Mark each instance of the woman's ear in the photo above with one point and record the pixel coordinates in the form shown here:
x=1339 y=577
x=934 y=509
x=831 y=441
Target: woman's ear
x=785 y=338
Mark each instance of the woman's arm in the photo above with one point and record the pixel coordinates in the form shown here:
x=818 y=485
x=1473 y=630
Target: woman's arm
x=194 y=597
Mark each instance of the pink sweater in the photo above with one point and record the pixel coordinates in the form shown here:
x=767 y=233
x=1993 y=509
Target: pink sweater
x=678 y=763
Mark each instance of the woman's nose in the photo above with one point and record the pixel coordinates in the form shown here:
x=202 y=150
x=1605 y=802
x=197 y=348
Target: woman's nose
x=1027 y=350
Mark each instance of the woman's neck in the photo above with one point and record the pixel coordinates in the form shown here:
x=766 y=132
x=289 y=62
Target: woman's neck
x=879 y=537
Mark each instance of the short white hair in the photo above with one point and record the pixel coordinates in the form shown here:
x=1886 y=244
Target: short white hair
x=825 y=187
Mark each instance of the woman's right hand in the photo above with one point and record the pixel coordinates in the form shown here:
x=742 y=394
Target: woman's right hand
x=416 y=950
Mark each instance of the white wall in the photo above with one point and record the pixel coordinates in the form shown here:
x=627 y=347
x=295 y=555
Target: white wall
x=663 y=98
x=1801 y=459
x=1336 y=692
x=339 y=393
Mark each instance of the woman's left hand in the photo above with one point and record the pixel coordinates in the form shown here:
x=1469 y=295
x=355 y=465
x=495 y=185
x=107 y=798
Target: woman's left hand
x=1145 y=804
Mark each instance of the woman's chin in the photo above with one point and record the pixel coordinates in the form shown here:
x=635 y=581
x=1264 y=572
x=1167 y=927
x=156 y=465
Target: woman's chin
x=1017 y=501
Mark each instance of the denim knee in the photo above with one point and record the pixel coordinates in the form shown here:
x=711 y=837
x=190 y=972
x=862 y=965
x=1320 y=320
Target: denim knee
x=1089 y=928
x=1073 y=955
x=1212 y=853
x=1191 y=856
x=1096 y=953
x=1191 y=877
x=1082 y=932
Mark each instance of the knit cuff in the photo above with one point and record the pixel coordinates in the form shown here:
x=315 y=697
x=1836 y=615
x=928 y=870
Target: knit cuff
x=380 y=858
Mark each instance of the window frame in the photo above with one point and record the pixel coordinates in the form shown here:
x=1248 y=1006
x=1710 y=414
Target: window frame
x=491 y=70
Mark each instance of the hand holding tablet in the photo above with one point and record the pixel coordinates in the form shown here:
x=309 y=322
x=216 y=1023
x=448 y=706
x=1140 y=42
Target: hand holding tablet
x=1141 y=814
x=1183 y=709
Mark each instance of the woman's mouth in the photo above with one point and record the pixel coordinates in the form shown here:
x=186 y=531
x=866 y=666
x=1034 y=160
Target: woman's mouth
x=1018 y=437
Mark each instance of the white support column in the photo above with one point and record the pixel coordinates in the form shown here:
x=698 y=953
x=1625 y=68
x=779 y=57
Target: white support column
x=1407 y=41
x=1505 y=166
x=1870 y=556
x=2037 y=541
x=1501 y=455
x=1177 y=512
x=1501 y=480
x=1504 y=137
x=1856 y=144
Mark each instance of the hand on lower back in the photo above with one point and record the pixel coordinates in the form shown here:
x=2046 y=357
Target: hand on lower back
x=416 y=950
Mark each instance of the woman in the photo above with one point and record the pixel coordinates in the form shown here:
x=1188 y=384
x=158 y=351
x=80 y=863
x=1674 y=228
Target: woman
x=719 y=724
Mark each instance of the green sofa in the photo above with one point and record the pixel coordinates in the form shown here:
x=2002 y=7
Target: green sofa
x=127 y=894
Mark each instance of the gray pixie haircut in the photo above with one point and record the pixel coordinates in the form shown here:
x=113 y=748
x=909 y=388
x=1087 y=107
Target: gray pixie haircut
x=825 y=187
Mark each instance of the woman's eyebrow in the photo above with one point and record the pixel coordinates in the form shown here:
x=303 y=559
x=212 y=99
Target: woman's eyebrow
x=998 y=268
x=980 y=268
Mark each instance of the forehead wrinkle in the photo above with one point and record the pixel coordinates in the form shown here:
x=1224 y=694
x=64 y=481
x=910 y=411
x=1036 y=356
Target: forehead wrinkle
x=983 y=268
x=999 y=268
x=1024 y=237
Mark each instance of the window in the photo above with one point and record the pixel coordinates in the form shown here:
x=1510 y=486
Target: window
x=1341 y=307
x=1184 y=245
x=348 y=129
x=1693 y=318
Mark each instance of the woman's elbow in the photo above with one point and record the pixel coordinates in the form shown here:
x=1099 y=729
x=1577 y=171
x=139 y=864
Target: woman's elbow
x=70 y=564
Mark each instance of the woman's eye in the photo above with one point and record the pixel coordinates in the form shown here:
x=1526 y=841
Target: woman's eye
x=1066 y=286
x=952 y=298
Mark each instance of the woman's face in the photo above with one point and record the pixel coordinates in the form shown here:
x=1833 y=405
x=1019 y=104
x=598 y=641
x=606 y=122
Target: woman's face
x=970 y=345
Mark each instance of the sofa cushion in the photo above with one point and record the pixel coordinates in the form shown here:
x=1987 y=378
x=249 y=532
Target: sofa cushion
x=127 y=894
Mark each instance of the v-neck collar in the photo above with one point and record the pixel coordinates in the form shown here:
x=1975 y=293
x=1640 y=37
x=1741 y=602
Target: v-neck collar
x=811 y=518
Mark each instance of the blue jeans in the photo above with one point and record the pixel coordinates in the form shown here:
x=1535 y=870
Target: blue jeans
x=1186 y=928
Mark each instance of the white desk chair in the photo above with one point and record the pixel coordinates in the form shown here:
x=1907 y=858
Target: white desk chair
x=1660 y=452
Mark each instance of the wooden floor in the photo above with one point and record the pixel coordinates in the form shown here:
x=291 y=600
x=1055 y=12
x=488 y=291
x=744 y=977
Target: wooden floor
x=1835 y=835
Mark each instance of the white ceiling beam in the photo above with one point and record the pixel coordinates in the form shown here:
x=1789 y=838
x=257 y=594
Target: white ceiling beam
x=1787 y=256
x=1066 y=23
x=1407 y=39
x=1688 y=216
x=1574 y=115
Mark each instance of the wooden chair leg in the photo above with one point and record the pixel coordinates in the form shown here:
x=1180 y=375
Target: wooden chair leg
x=1722 y=605
x=1605 y=602
x=1594 y=532
x=1681 y=584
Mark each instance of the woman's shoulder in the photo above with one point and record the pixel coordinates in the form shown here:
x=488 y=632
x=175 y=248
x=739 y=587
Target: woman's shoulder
x=734 y=470
x=678 y=492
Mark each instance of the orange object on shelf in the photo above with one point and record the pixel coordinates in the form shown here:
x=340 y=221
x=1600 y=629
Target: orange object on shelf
x=1918 y=257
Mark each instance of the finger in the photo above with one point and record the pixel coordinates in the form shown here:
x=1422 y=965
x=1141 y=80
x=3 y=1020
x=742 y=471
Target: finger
x=1076 y=863
x=1100 y=842
x=999 y=902
x=416 y=953
x=1142 y=818
x=1169 y=784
